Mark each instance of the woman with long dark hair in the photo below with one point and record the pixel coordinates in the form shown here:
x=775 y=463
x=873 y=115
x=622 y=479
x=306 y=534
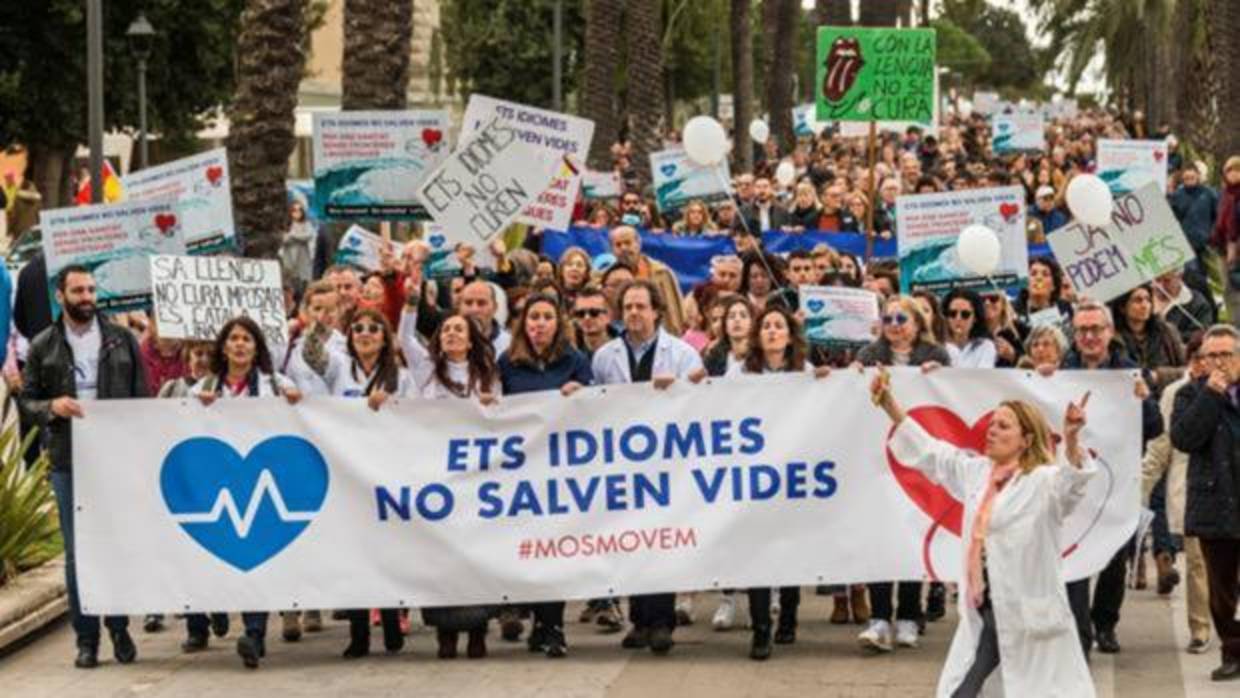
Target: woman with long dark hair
x=732 y=347
x=1151 y=342
x=968 y=335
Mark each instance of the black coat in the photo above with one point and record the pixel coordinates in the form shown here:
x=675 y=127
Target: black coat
x=1206 y=426
x=32 y=308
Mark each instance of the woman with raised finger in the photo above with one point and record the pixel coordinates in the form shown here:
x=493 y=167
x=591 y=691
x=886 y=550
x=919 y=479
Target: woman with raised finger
x=1015 y=633
x=542 y=357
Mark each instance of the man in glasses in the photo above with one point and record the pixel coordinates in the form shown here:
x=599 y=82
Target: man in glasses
x=593 y=318
x=1206 y=424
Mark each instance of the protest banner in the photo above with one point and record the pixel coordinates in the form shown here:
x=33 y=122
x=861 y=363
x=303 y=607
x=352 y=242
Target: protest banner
x=870 y=74
x=114 y=242
x=202 y=191
x=600 y=185
x=562 y=136
x=445 y=242
x=930 y=223
x=858 y=129
x=195 y=296
x=359 y=248
x=837 y=316
x=486 y=182
x=804 y=121
x=986 y=103
x=259 y=505
x=678 y=180
x=1126 y=165
x=368 y=164
x=1143 y=241
x=1010 y=133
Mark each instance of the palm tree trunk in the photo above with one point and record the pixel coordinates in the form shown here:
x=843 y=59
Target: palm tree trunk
x=1201 y=83
x=375 y=67
x=781 y=56
x=602 y=57
x=1226 y=25
x=742 y=82
x=645 y=74
x=270 y=63
x=879 y=13
x=833 y=13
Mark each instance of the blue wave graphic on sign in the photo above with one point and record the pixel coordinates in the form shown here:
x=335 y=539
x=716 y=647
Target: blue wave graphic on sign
x=245 y=510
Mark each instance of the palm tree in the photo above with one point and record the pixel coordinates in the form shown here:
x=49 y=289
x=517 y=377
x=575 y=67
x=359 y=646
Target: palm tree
x=1227 y=24
x=375 y=68
x=742 y=81
x=270 y=63
x=602 y=57
x=781 y=17
x=881 y=13
x=833 y=13
x=645 y=82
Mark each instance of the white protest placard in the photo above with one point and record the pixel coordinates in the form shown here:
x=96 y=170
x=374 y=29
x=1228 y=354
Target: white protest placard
x=610 y=492
x=202 y=191
x=444 y=243
x=839 y=316
x=195 y=296
x=986 y=102
x=600 y=185
x=368 y=164
x=930 y=223
x=678 y=180
x=359 y=248
x=1127 y=165
x=114 y=242
x=487 y=181
x=562 y=136
x=1010 y=133
x=805 y=121
x=1143 y=240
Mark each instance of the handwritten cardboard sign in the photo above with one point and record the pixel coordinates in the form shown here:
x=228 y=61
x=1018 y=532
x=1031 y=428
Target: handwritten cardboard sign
x=870 y=74
x=196 y=296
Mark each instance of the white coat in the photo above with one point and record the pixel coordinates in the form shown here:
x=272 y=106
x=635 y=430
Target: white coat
x=1039 y=651
x=672 y=357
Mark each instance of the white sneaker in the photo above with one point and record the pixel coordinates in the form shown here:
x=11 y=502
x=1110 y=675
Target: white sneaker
x=877 y=636
x=684 y=610
x=906 y=633
x=725 y=615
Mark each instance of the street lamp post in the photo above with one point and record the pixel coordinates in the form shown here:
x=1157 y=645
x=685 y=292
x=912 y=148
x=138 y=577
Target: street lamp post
x=94 y=91
x=557 y=40
x=140 y=34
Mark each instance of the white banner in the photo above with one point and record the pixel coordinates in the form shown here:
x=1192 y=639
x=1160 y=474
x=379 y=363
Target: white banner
x=487 y=181
x=1012 y=133
x=1143 y=241
x=839 y=316
x=254 y=504
x=202 y=191
x=929 y=225
x=1127 y=165
x=677 y=180
x=359 y=248
x=196 y=296
x=561 y=136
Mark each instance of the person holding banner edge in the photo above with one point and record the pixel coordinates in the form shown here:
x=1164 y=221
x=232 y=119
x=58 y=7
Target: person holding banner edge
x=1014 y=613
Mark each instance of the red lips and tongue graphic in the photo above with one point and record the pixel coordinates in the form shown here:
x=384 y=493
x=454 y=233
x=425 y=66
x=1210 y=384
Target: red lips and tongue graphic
x=844 y=63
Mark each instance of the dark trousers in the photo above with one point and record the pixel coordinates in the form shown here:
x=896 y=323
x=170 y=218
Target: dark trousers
x=1078 y=601
x=1222 y=575
x=984 y=662
x=255 y=624
x=199 y=624
x=549 y=614
x=1164 y=542
x=1109 y=591
x=909 y=601
x=85 y=627
x=359 y=622
x=653 y=611
x=760 y=606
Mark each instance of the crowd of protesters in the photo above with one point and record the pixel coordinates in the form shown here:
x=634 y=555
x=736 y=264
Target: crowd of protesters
x=536 y=323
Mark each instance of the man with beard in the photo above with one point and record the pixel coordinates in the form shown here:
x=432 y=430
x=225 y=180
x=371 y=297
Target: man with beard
x=79 y=357
x=764 y=212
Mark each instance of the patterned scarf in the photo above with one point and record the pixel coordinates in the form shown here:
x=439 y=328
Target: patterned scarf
x=999 y=476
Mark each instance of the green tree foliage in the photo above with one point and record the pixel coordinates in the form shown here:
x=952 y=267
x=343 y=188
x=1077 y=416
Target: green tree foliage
x=1000 y=32
x=960 y=51
x=503 y=48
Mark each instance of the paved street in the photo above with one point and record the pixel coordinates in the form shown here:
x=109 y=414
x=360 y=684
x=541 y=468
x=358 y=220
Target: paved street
x=824 y=662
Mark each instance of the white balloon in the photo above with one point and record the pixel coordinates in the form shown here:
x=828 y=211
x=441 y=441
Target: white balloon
x=759 y=131
x=1090 y=200
x=785 y=173
x=978 y=250
x=705 y=141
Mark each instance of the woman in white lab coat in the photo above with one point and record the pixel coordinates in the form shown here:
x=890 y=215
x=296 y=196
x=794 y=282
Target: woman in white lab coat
x=1016 y=635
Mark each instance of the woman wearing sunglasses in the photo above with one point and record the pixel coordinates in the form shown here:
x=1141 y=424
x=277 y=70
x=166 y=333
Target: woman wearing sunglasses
x=542 y=357
x=968 y=337
x=906 y=340
x=1005 y=329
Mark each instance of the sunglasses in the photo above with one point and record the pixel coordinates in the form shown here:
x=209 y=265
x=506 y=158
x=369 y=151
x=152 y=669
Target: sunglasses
x=588 y=312
x=991 y=299
x=895 y=319
x=364 y=327
x=961 y=314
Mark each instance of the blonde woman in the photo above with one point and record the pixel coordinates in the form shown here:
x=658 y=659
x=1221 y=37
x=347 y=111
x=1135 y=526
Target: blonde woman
x=696 y=220
x=1014 y=613
x=806 y=208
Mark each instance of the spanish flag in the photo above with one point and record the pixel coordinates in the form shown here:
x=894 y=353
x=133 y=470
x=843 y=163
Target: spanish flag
x=112 y=191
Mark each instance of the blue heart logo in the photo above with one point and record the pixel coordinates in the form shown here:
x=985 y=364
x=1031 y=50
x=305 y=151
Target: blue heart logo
x=1004 y=126
x=669 y=169
x=816 y=305
x=437 y=240
x=355 y=241
x=244 y=510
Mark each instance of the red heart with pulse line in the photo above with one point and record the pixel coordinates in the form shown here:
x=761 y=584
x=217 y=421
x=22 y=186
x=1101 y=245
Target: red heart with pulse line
x=165 y=222
x=1008 y=211
x=945 y=425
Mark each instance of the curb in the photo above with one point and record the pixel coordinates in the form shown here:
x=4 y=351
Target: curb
x=32 y=600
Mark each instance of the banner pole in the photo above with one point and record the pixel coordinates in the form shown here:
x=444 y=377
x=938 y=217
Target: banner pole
x=871 y=147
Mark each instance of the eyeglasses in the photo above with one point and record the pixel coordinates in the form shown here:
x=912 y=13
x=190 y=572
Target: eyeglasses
x=589 y=312
x=364 y=327
x=1087 y=330
x=895 y=319
x=962 y=314
x=1218 y=356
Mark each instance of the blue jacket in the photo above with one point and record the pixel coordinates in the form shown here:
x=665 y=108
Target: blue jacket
x=1196 y=209
x=1051 y=220
x=529 y=377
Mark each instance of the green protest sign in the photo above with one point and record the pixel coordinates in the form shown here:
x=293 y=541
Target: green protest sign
x=867 y=74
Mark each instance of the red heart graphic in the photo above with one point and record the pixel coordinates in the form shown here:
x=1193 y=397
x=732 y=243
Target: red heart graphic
x=431 y=136
x=1009 y=211
x=214 y=173
x=165 y=222
x=1158 y=156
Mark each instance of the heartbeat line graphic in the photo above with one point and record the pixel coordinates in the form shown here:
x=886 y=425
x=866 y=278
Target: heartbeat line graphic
x=225 y=505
